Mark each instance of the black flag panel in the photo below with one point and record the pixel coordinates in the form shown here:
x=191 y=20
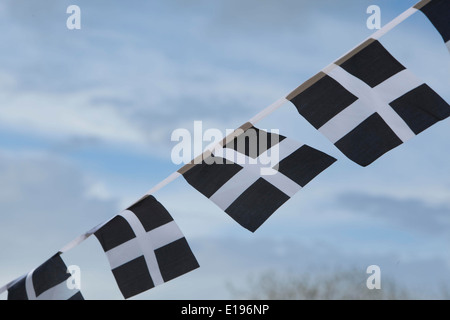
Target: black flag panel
x=438 y=12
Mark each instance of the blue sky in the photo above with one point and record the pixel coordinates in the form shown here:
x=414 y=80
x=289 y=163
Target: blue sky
x=86 y=117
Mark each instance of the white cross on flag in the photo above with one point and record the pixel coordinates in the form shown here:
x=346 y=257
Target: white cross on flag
x=47 y=282
x=145 y=247
x=368 y=103
x=255 y=173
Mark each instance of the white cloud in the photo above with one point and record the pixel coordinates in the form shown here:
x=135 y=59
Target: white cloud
x=44 y=197
x=63 y=115
x=411 y=214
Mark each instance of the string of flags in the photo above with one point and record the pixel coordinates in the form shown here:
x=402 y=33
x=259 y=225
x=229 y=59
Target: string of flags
x=366 y=103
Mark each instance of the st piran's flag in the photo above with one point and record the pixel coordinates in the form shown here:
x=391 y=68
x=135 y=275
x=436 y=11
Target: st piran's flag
x=438 y=12
x=240 y=179
x=369 y=103
x=145 y=247
x=47 y=282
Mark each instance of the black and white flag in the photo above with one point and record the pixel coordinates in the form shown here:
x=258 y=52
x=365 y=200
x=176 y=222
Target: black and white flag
x=145 y=247
x=47 y=282
x=438 y=12
x=369 y=103
x=255 y=173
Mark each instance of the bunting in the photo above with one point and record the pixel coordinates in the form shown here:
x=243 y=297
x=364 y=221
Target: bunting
x=366 y=103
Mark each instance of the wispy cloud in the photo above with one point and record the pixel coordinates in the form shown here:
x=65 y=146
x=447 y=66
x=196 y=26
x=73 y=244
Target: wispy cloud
x=413 y=214
x=46 y=196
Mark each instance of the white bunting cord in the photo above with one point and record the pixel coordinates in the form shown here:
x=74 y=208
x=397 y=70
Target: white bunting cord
x=81 y=238
x=261 y=115
x=395 y=22
x=270 y=109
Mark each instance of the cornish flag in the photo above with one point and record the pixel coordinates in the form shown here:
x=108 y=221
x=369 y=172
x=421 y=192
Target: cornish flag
x=255 y=173
x=47 y=282
x=369 y=103
x=438 y=12
x=145 y=247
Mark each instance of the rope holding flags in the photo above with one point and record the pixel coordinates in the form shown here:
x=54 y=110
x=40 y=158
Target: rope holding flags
x=366 y=103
